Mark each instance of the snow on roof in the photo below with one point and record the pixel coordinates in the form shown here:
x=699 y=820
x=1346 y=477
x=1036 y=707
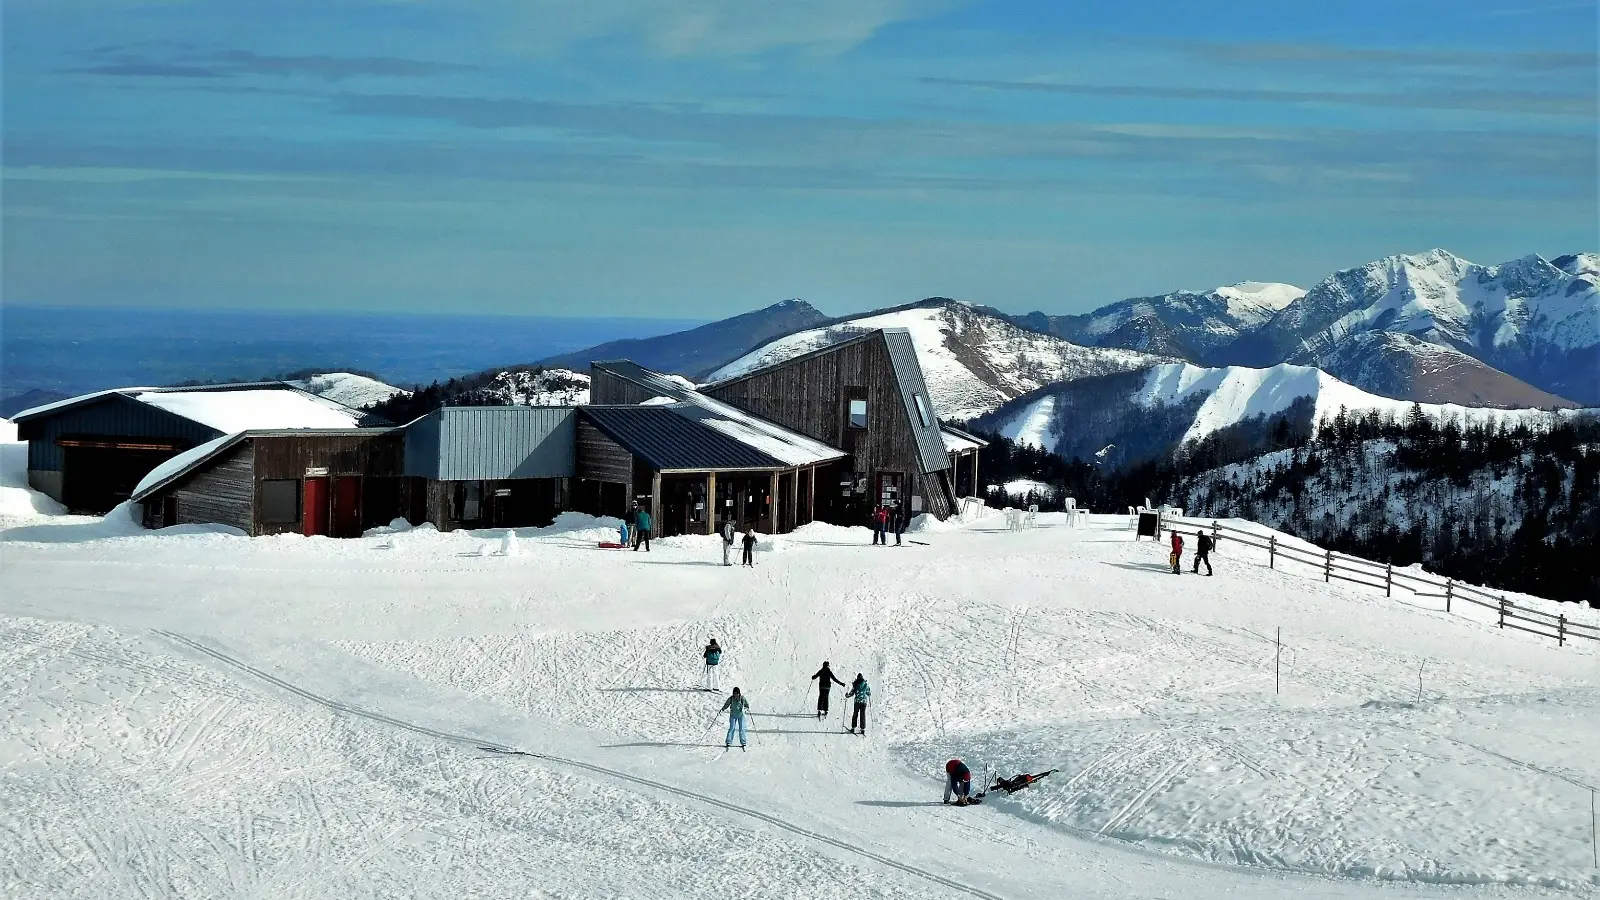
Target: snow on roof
x=349 y=389
x=181 y=463
x=72 y=401
x=247 y=410
x=957 y=442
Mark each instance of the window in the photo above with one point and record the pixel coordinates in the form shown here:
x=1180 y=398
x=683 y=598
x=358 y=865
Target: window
x=858 y=413
x=471 y=501
x=922 y=409
x=280 y=501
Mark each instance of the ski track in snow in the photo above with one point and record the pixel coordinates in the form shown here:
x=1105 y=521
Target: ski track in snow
x=206 y=715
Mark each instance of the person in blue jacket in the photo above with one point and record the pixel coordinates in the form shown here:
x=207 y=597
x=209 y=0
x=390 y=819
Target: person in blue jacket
x=860 y=691
x=713 y=656
x=737 y=706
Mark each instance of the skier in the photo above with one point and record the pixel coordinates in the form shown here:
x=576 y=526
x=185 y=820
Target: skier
x=1177 y=552
x=727 y=540
x=736 y=705
x=861 y=691
x=1018 y=782
x=750 y=546
x=1202 y=551
x=880 y=522
x=825 y=681
x=713 y=656
x=643 y=529
x=958 y=782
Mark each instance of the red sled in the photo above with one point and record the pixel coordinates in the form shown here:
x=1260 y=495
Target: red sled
x=612 y=545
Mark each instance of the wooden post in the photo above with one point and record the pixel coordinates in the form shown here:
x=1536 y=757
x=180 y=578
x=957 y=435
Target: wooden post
x=794 y=499
x=711 y=503
x=975 y=490
x=1449 y=588
x=1388 y=579
x=1277 y=665
x=1272 y=551
x=655 y=504
x=1561 y=630
x=811 y=498
x=772 y=496
x=1327 y=566
x=1502 y=612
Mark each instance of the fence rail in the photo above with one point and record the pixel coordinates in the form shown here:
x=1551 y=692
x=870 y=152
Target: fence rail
x=1382 y=576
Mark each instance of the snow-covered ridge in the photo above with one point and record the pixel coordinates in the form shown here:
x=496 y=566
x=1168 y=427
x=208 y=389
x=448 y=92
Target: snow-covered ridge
x=973 y=361
x=354 y=391
x=546 y=387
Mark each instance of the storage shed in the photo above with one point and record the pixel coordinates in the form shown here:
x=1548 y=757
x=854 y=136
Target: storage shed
x=90 y=452
x=334 y=482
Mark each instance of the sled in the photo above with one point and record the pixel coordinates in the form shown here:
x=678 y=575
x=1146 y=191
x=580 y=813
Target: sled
x=612 y=545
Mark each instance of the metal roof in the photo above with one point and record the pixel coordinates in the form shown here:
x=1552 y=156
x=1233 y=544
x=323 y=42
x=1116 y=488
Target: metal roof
x=358 y=417
x=669 y=442
x=908 y=373
x=958 y=441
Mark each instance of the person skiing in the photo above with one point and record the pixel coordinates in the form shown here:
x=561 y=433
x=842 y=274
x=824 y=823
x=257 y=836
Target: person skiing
x=1177 y=552
x=880 y=520
x=643 y=531
x=861 y=691
x=736 y=705
x=750 y=546
x=1202 y=551
x=825 y=681
x=727 y=540
x=958 y=782
x=1018 y=782
x=713 y=656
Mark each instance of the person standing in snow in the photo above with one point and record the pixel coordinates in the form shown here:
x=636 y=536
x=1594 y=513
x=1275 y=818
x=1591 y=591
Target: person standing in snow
x=630 y=523
x=643 y=528
x=957 y=782
x=880 y=519
x=825 y=681
x=736 y=705
x=899 y=525
x=622 y=534
x=750 y=546
x=727 y=540
x=1177 y=552
x=860 y=691
x=713 y=656
x=1202 y=551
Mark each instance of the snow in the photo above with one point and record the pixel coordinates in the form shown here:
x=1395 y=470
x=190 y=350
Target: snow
x=70 y=401
x=948 y=336
x=180 y=462
x=354 y=391
x=955 y=443
x=200 y=714
x=1031 y=425
x=1022 y=487
x=17 y=499
x=1253 y=302
x=249 y=410
x=547 y=387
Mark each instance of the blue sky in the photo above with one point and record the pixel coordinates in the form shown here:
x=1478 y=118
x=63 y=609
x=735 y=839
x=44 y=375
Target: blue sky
x=698 y=158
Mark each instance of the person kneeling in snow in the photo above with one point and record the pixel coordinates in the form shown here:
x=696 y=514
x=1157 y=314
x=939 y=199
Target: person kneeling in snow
x=1018 y=782
x=958 y=782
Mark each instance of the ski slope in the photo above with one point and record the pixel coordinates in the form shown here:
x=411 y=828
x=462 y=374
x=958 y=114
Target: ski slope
x=192 y=714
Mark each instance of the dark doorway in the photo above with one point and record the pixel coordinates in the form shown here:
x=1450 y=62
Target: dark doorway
x=683 y=506
x=314 y=511
x=523 y=503
x=96 y=479
x=380 y=501
x=347 y=506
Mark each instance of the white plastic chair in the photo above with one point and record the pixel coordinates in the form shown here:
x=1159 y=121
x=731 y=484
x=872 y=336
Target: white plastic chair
x=1033 y=515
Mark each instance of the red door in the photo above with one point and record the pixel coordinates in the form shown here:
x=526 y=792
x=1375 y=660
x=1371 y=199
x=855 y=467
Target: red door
x=314 y=513
x=347 y=507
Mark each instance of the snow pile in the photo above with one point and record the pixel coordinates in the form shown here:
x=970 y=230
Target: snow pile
x=349 y=389
x=17 y=499
x=972 y=361
x=259 y=409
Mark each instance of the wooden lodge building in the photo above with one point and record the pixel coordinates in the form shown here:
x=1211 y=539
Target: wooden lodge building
x=822 y=437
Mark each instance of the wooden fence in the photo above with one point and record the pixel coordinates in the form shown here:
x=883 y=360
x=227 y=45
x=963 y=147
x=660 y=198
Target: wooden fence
x=1384 y=577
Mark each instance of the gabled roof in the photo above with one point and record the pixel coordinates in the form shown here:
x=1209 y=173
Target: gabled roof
x=789 y=447
x=227 y=407
x=179 y=467
x=669 y=441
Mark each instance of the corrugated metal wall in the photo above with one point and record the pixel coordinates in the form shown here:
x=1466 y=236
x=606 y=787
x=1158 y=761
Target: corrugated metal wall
x=494 y=442
x=422 y=446
x=114 y=415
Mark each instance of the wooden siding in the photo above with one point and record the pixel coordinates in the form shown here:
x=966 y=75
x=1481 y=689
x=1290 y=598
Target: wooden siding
x=809 y=395
x=221 y=492
x=599 y=458
x=289 y=456
x=606 y=388
x=111 y=416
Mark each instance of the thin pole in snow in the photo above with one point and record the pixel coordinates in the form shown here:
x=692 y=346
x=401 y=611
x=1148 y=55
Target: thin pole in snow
x=1277 y=665
x=1419 y=682
x=1594 y=831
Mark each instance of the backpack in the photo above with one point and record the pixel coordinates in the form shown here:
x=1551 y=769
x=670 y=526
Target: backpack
x=713 y=656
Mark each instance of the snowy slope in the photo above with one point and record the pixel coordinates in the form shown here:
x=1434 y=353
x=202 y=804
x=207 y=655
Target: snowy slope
x=354 y=391
x=543 y=387
x=315 y=718
x=1187 y=324
x=973 y=359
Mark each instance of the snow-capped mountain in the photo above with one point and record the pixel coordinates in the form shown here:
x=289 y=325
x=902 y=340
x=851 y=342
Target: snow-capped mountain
x=1405 y=367
x=1190 y=325
x=1145 y=414
x=542 y=387
x=974 y=359
x=1531 y=319
x=354 y=391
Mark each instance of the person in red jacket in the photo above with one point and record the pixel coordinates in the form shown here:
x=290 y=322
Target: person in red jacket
x=958 y=782
x=880 y=526
x=1177 y=552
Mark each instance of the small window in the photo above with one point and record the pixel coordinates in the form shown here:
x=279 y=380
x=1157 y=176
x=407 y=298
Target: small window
x=858 y=413
x=922 y=409
x=471 y=501
x=280 y=501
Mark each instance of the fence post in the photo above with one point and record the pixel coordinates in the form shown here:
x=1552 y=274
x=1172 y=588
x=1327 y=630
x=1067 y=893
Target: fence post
x=1561 y=630
x=1388 y=574
x=1502 y=612
x=1277 y=665
x=1272 y=551
x=1327 y=566
x=1213 y=531
x=1449 y=587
